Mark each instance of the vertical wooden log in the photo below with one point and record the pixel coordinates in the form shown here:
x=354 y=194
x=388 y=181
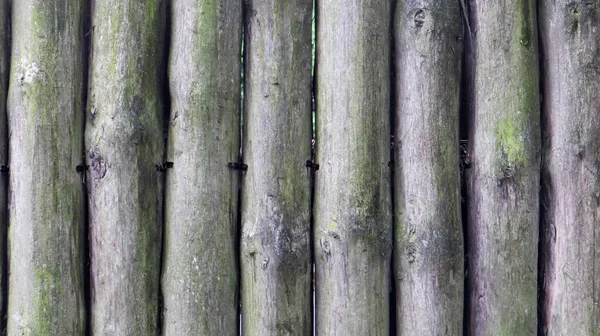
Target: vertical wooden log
x=503 y=182
x=276 y=265
x=200 y=276
x=4 y=71
x=570 y=33
x=45 y=113
x=352 y=197
x=429 y=256
x=124 y=141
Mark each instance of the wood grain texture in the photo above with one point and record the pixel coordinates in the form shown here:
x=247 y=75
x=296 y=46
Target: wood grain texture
x=200 y=272
x=45 y=114
x=353 y=238
x=570 y=40
x=503 y=182
x=276 y=258
x=124 y=141
x=429 y=254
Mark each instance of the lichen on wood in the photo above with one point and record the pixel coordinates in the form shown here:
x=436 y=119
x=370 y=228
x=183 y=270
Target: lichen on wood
x=45 y=115
x=275 y=250
x=200 y=270
x=124 y=141
x=503 y=181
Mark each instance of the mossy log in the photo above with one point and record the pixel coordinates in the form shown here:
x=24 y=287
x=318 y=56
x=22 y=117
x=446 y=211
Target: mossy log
x=428 y=250
x=570 y=42
x=503 y=181
x=45 y=114
x=276 y=258
x=200 y=272
x=124 y=142
x=353 y=224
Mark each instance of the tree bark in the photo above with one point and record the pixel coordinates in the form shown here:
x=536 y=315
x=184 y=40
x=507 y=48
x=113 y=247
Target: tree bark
x=276 y=259
x=429 y=256
x=200 y=277
x=503 y=182
x=124 y=141
x=352 y=197
x=4 y=72
x=45 y=113
x=570 y=40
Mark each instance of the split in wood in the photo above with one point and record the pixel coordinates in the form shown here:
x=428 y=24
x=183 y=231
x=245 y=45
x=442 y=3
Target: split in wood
x=4 y=169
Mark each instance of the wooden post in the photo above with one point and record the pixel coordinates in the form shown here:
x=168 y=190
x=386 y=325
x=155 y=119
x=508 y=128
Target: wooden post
x=200 y=274
x=45 y=114
x=124 y=141
x=353 y=222
x=429 y=254
x=4 y=71
x=503 y=181
x=276 y=259
x=570 y=40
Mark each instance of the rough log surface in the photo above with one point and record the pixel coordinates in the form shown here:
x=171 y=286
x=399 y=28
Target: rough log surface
x=200 y=277
x=4 y=71
x=570 y=40
x=353 y=223
x=124 y=141
x=503 y=182
x=276 y=259
x=429 y=256
x=45 y=114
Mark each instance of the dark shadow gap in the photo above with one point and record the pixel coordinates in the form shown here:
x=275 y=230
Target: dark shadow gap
x=5 y=183
x=238 y=233
x=87 y=62
x=392 y=117
x=166 y=98
x=545 y=194
x=467 y=96
x=313 y=158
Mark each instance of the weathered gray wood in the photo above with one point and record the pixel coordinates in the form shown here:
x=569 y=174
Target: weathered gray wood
x=570 y=38
x=503 y=182
x=276 y=262
x=4 y=71
x=429 y=256
x=124 y=141
x=200 y=276
x=45 y=113
x=352 y=196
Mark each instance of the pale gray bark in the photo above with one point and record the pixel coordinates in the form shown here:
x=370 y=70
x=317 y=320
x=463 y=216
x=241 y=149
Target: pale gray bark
x=429 y=256
x=45 y=112
x=4 y=71
x=124 y=141
x=503 y=182
x=200 y=263
x=275 y=262
x=352 y=197
x=570 y=33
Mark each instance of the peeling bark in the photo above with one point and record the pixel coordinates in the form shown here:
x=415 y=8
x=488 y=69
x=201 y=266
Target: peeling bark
x=276 y=265
x=200 y=262
x=429 y=256
x=503 y=182
x=352 y=197
x=124 y=141
x=45 y=112
x=570 y=40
